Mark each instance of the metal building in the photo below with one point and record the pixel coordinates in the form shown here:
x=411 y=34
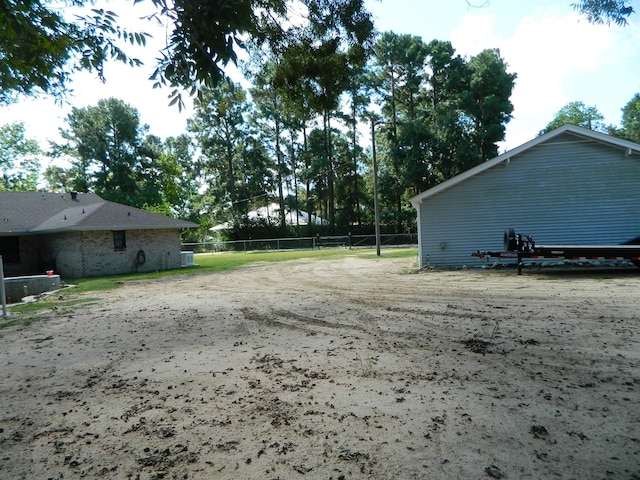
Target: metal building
x=568 y=186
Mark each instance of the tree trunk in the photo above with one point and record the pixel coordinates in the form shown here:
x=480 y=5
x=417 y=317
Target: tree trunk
x=308 y=181
x=295 y=179
x=280 y=168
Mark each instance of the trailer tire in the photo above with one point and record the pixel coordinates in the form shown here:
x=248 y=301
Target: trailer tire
x=510 y=242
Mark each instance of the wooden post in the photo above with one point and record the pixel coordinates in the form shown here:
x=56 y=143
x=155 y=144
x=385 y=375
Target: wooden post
x=519 y=249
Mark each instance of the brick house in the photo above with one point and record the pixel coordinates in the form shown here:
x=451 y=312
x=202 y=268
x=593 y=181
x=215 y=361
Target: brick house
x=81 y=235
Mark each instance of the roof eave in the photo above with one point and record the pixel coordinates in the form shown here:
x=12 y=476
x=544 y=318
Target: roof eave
x=107 y=228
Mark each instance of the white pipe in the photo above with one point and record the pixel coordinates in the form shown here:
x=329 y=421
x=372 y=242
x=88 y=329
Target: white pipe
x=3 y=296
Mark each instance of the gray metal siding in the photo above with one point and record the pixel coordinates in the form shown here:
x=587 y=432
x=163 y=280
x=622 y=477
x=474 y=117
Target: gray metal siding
x=561 y=192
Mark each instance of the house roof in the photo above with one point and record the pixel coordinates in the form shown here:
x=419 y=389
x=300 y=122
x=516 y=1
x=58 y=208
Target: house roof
x=629 y=148
x=271 y=213
x=39 y=212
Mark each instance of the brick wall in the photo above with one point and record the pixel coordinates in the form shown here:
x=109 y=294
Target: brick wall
x=161 y=251
x=92 y=254
x=64 y=252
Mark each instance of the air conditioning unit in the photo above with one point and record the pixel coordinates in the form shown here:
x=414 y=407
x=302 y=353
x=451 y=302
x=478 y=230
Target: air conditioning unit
x=186 y=259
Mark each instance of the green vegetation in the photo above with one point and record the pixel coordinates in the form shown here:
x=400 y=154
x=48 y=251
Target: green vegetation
x=28 y=313
x=41 y=46
x=62 y=304
x=219 y=262
x=289 y=142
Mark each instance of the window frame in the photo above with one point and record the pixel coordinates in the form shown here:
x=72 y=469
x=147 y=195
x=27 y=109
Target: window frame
x=119 y=240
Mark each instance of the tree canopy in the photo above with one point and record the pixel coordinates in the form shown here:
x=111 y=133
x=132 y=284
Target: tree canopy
x=630 y=129
x=40 y=47
x=605 y=11
x=631 y=119
x=19 y=164
x=294 y=138
x=576 y=113
x=112 y=155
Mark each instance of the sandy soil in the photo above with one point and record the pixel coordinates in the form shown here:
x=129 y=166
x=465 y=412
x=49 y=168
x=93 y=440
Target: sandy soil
x=340 y=369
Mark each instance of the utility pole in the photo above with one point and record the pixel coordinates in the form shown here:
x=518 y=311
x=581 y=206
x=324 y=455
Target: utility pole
x=376 y=208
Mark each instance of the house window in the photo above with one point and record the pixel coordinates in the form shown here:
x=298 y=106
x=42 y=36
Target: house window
x=119 y=241
x=10 y=249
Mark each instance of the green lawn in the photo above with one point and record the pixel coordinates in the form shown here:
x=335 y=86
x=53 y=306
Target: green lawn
x=218 y=262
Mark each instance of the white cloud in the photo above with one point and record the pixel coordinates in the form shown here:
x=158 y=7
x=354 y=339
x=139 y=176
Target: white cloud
x=475 y=33
x=549 y=53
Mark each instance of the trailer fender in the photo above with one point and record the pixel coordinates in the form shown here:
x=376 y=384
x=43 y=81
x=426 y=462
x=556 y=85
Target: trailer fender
x=510 y=242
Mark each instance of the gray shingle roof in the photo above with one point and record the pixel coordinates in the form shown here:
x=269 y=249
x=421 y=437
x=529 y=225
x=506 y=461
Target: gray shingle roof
x=35 y=212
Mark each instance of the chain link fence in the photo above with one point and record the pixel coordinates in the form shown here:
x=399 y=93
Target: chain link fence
x=303 y=243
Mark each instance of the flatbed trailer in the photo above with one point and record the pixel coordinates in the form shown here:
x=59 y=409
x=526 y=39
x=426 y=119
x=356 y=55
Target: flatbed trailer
x=521 y=246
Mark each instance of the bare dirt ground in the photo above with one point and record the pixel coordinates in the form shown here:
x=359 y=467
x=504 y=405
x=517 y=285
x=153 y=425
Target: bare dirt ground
x=348 y=368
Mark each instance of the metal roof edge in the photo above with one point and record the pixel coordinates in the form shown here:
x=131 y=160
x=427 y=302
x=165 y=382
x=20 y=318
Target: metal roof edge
x=107 y=228
x=629 y=147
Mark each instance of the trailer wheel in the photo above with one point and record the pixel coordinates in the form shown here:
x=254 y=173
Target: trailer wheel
x=510 y=242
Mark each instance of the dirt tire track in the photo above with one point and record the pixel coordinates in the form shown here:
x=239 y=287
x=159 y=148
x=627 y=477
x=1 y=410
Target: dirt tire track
x=347 y=368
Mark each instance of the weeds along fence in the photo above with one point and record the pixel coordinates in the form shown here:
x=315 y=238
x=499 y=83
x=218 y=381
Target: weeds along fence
x=303 y=243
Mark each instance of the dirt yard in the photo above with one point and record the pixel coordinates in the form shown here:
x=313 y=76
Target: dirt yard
x=350 y=368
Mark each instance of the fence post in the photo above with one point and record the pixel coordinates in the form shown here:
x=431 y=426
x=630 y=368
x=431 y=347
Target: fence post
x=3 y=296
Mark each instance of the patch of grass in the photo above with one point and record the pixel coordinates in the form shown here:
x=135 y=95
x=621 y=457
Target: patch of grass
x=228 y=261
x=216 y=262
x=206 y=263
x=219 y=262
x=391 y=253
x=367 y=367
x=13 y=321
x=25 y=314
x=53 y=304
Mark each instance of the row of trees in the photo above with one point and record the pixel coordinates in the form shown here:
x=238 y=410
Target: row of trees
x=577 y=113
x=320 y=87
x=113 y=155
x=244 y=150
x=296 y=136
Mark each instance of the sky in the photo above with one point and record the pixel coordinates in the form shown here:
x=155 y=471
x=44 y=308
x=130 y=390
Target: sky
x=557 y=55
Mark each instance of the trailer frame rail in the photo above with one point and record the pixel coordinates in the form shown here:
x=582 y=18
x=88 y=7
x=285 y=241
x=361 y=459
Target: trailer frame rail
x=522 y=246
